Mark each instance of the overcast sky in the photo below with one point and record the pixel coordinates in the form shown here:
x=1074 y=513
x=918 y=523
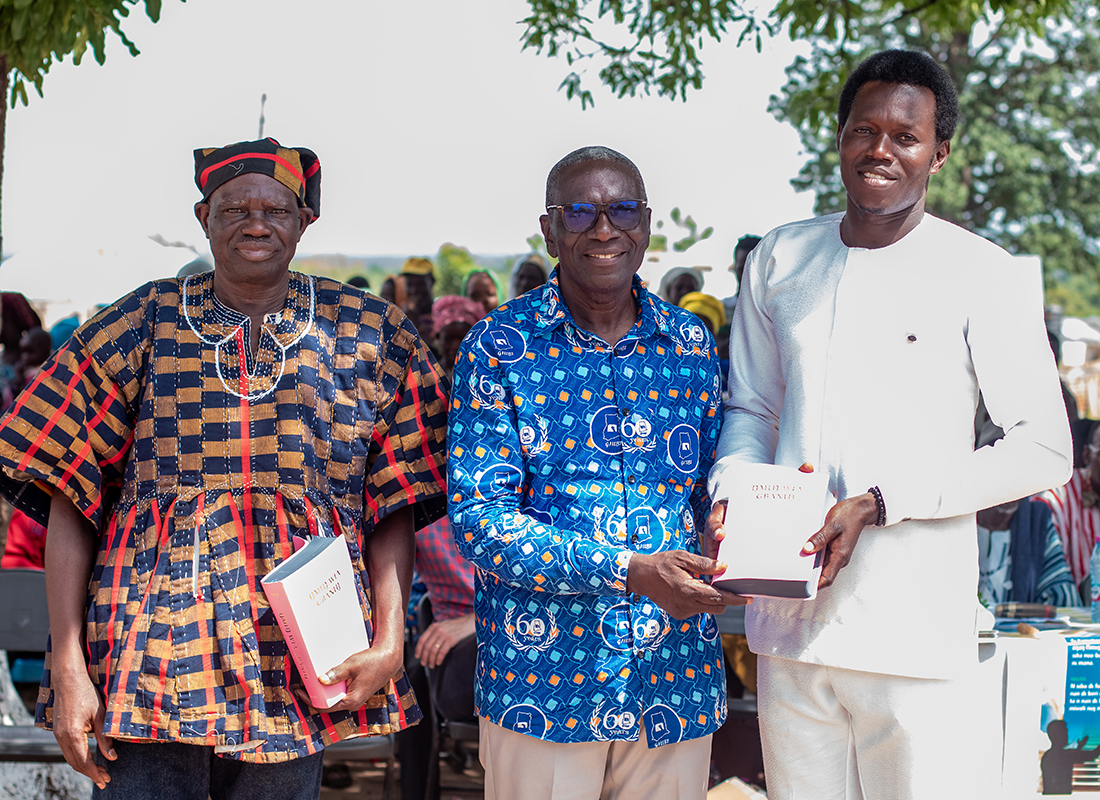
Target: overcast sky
x=430 y=123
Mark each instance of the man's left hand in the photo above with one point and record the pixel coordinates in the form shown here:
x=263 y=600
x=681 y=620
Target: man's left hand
x=838 y=536
x=434 y=643
x=365 y=672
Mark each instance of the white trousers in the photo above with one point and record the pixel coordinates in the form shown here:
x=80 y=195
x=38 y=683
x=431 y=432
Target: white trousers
x=521 y=767
x=839 y=734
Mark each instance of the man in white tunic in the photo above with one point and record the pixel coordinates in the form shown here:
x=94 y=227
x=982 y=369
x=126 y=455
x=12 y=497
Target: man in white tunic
x=860 y=343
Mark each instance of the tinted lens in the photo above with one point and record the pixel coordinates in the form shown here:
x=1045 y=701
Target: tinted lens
x=579 y=217
x=625 y=214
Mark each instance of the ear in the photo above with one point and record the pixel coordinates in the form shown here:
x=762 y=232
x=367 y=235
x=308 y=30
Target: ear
x=305 y=217
x=551 y=245
x=939 y=158
x=202 y=214
x=648 y=226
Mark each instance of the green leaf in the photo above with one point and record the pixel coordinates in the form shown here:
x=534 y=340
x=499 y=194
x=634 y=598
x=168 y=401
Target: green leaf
x=19 y=23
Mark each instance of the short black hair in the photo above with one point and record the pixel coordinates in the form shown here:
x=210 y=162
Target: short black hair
x=584 y=155
x=746 y=244
x=911 y=68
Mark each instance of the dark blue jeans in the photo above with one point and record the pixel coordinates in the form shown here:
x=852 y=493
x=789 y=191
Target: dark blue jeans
x=155 y=771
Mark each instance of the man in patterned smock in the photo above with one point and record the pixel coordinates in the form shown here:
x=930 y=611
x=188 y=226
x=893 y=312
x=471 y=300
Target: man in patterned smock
x=584 y=418
x=175 y=446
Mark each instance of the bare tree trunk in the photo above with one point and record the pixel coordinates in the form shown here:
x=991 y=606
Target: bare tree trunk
x=3 y=126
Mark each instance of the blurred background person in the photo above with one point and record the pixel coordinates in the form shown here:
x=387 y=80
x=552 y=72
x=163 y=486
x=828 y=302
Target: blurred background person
x=452 y=316
x=679 y=281
x=194 y=267
x=745 y=245
x=529 y=273
x=419 y=275
x=393 y=290
x=1075 y=507
x=359 y=282
x=707 y=308
x=1020 y=557
x=712 y=312
x=61 y=330
x=481 y=287
x=16 y=318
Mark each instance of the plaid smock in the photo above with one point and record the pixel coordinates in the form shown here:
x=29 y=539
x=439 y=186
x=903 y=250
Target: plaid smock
x=567 y=454
x=197 y=463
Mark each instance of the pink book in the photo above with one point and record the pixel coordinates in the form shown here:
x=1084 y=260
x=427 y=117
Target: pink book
x=315 y=600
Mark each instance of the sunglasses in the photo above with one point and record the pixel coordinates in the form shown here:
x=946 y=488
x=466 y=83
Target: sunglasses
x=580 y=217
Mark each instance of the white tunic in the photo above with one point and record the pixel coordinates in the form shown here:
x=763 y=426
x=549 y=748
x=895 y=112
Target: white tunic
x=867 y=364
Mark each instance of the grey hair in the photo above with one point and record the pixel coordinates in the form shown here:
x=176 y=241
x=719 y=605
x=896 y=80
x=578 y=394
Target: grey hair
x=583 y=156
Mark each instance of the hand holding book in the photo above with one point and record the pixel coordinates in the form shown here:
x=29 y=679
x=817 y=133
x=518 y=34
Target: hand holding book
x=671 y=579
x=764 y=574
x=838 y=536
x=362 y=674
x=771 y=508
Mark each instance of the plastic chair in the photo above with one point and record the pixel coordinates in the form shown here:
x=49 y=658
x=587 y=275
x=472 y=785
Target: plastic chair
x=369 y=748
x=25 y=626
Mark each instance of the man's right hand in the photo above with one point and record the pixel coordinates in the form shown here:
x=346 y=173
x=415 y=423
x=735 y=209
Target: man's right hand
x=672 y=580
x=78 y=710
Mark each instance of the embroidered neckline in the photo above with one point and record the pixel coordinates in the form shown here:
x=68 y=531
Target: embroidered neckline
x=226 y=330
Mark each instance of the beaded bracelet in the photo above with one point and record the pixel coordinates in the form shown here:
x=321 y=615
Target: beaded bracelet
x=880 y=504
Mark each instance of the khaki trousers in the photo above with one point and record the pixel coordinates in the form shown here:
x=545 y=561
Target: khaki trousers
x=521 y=767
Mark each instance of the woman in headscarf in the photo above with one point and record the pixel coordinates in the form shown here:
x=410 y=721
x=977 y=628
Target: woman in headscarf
x=481 y=287
x=453 y=316
x=529 y=273
x=679 y=281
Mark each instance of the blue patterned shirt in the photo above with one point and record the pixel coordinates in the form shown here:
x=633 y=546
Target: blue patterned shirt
x=567 y=455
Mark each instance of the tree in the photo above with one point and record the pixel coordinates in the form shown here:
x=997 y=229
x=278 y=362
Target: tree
x=658 y=242
x=32 y=36
x=1076 y=295
x=1024 y=165
x=660 y=43
x=33 y=33
x=1024 y=169
x=452 y=264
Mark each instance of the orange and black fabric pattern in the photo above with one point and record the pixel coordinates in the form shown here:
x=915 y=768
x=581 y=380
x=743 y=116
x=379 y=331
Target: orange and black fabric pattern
x=295 y=167
x=198 y=461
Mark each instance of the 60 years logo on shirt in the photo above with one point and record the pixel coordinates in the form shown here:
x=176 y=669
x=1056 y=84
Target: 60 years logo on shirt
x=624 y=627
x=613 y=434
x=530 y=631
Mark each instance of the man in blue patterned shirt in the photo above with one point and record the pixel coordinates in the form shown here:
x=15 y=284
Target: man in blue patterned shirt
x=583 y=421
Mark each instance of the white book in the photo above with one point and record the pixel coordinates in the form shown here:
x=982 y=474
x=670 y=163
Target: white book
x=313 y=594
x=771 y=512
